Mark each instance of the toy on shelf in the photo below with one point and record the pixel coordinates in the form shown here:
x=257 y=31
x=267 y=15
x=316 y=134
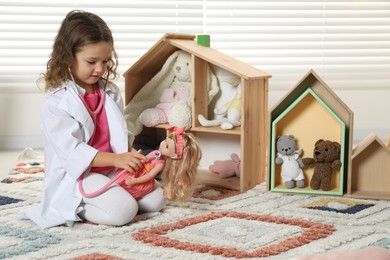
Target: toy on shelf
x=166 y=98
x=174 y=104
x=326 y=159
x=204 y=40
x=289 y=156
x=228 y=116
x=312 y=111
x=227 y=168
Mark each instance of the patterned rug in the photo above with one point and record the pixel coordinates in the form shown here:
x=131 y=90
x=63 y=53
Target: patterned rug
x=215 y=224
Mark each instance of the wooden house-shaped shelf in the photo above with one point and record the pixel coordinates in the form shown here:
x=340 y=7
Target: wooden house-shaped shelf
x=310 y=111
x=370 y=175
x=254 y=92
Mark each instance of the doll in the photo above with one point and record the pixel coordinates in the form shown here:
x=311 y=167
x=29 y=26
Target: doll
x=178 y=158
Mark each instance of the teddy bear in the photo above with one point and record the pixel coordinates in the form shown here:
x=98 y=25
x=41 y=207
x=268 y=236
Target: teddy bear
x=326 y=159
x=228 y=116
x=289 y=156
x=158 y=105
x=227 y=168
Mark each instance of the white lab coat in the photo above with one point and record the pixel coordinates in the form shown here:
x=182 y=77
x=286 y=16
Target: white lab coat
x=67 y=127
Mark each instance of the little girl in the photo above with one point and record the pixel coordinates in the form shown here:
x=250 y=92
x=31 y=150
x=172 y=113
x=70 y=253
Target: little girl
x=85 y=132
x=178 y=158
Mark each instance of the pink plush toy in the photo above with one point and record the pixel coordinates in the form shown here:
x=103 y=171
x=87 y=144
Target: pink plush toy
x=227 y=168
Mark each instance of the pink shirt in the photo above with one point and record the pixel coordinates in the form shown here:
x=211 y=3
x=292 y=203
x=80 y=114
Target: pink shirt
x=100 y=139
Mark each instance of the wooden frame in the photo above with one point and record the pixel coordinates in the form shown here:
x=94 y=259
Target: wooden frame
x=370 y=175
x=254 y=91
x=302 y=119
x=297 y=113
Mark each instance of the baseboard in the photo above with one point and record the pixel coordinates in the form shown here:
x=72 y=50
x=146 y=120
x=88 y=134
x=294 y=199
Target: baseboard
x=20 y=142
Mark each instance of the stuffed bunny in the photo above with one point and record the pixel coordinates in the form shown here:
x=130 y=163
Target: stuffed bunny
x=159 y=105
x=175 y=101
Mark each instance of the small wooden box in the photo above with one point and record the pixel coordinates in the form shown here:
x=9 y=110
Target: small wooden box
x=370 y=175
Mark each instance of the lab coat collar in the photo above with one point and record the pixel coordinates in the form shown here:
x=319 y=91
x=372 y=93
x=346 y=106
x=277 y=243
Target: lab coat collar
x=70 y=84
x=72 y=104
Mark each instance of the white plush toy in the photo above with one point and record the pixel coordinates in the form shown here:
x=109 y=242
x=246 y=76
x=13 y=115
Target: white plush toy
x=229 y=114
x=167 y=97
x=174 y=106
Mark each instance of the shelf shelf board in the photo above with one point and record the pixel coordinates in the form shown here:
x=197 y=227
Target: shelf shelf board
x=206 y=177
x=369 y=195
x=212 y=129
x=216 y=130
x=307 y=190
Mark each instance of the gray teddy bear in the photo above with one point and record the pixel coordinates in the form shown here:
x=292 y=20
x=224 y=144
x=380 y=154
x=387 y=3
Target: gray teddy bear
x=289 y=156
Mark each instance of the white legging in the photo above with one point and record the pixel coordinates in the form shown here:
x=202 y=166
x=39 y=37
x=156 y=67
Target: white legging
x=116 y=206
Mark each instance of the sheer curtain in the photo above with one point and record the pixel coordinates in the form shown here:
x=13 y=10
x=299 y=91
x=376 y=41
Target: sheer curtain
x=346 y=42
x=27 y=30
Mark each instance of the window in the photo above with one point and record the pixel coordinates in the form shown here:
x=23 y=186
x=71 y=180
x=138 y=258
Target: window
x=346 y=42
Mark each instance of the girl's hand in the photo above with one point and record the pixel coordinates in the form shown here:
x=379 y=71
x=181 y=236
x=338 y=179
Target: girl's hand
x=130 y=161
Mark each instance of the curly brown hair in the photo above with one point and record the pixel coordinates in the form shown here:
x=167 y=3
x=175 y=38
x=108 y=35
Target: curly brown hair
x=77 y=30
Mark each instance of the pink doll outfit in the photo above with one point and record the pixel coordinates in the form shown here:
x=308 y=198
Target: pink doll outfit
x=140 y=189
x=121 y=176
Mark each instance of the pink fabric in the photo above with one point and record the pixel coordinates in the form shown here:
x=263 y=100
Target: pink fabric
x=179 y=139
x=94 y=102
x=141 y=189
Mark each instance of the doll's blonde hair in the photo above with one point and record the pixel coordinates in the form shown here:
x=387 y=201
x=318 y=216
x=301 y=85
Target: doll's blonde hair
x=179 y=174
x=77 y=30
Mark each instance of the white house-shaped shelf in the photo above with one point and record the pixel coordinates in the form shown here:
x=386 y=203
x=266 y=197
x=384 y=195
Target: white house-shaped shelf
x=370 y=175
x=311 y=111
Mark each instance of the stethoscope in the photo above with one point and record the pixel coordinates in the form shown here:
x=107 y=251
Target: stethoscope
x=119 y=174
x=93 y=113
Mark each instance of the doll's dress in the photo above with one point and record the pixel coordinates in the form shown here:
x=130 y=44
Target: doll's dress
x=140 y=189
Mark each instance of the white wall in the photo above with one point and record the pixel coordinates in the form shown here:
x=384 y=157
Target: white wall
x=20 y=116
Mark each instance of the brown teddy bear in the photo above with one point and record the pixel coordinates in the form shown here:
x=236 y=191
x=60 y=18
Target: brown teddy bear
x=326 y=159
